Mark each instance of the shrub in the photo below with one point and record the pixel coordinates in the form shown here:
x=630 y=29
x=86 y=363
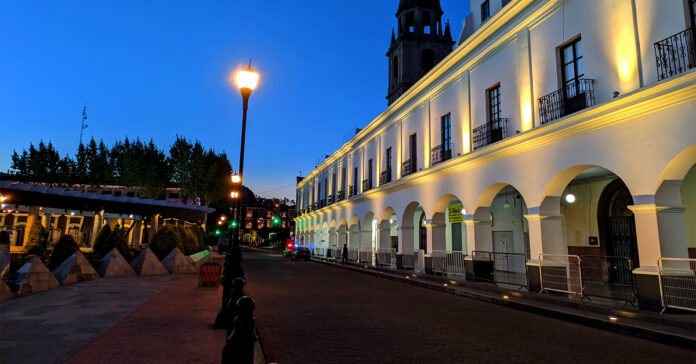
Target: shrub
x=17 y=260
x=101 y=242
x=65 y=247
x=107 y=240
x=166 y=238
x=38 y=235
x=119 y=240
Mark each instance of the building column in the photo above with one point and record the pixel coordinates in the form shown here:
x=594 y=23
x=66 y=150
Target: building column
x=32 y=219
x=154 y=226
x=437 y=238
x=384 y=235
x=545 y=237
x=470 y=224
x=137 y=233
x=366 y=241
x=405 y=235
x=483 y=236
x=97 y=225
x=660 y=232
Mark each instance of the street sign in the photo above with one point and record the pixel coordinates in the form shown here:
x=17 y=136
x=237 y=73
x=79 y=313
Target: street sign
x=455 y=214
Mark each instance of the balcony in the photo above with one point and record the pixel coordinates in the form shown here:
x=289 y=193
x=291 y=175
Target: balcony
x=330 y=199
x=367 y=185
x=351 y=191
x=340 y=195
x=408 y=167
x=385 y=177
x=439 y=155
x=490 y=133
x=574 y=97
x=675 y=54
x=314 y=206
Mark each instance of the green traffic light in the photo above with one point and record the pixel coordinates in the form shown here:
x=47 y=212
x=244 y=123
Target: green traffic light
x=217 y=232
x=233 y=223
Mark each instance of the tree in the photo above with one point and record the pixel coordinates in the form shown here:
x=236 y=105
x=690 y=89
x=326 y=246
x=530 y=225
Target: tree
x=165 y=240
x=65 y=247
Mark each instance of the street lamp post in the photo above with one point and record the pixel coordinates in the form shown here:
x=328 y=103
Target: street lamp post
x=247 y=80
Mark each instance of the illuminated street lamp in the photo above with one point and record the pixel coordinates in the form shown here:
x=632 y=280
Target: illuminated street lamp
x=247 y=80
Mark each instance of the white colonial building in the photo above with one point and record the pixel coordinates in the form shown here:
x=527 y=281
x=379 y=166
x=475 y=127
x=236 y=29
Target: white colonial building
x=562 y=127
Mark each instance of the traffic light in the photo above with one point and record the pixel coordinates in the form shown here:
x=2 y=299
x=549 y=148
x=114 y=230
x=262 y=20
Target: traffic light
x=233 y=224
x=217 y=232
x=276 y=220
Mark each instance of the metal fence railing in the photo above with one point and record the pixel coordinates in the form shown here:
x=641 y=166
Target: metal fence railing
x=449 y=263
x=334 y=253
x=510 y=268
x=455 y=263
x=561 y=273
x=408 y=259
x=319 y=252
x=366 y=256
x=483 y=265
x=353 y=255
x=439 y=261
x=675 y=54
x=677 y=283
x=608 y=277
x=386 y=257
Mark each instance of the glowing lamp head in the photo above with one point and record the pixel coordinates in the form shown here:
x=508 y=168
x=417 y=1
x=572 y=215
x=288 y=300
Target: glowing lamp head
x=223 y=218
x=247 y=79
x=236 y=178
x=234 y=195
x=570 y=198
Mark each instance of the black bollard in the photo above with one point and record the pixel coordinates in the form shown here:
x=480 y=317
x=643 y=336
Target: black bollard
x=239 y=347
x=227 y=313
x=231 y=270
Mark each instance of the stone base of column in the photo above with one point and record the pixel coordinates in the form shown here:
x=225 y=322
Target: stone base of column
x=648 y=288
x=534 y=275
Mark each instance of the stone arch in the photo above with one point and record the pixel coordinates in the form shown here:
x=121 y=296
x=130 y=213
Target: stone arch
x=413 y=234
x=576 y=215
x=369 y=231
x=668 y=191
x=342 y=232
x=354 y=232
x=388 y=236
x=448 y=227
x=499 y=220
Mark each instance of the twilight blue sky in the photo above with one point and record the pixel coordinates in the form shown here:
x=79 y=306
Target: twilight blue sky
x=158 y=68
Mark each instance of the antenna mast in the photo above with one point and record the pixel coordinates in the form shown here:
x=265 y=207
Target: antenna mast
x=84 y=121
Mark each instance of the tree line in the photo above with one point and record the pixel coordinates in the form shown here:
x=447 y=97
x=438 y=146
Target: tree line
x=198 y=172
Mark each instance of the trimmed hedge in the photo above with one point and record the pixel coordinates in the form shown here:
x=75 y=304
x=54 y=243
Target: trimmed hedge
x=107 y=240
x=188 y=239
x=65 y=247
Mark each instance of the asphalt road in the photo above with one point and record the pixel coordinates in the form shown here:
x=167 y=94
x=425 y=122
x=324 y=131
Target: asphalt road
x=312 y=313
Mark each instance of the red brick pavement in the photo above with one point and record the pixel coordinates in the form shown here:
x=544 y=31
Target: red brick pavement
x=173 y=327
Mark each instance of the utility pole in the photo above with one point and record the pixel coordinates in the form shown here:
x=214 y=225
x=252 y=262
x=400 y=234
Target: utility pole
x=84 y=122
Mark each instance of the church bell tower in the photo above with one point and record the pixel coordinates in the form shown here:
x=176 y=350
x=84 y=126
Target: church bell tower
x=419 y=43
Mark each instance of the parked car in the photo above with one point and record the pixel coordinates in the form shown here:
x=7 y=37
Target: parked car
x=302 y=253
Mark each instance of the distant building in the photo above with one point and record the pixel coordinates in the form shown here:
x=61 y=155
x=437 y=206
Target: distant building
x=268 y=221
x=80 y=211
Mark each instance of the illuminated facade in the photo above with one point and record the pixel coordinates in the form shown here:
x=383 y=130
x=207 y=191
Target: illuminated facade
x=553 y=127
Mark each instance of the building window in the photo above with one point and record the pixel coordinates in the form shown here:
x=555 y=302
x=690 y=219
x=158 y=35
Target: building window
x=572 y=68
x=369 y=174
x=485 y=11
x=426 y=22
x=389 y=165
x=410 y=22
x=494 y=107
x=446 y=136
x=355 y=181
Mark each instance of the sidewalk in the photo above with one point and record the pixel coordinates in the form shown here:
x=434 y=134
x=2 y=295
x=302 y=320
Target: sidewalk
x=173 y=327
x=678 y=329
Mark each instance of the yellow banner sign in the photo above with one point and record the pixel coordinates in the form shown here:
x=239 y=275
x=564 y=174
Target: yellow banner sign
x=455 y=214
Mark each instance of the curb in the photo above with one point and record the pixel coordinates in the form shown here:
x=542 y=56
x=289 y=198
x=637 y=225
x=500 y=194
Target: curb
x=586 y=319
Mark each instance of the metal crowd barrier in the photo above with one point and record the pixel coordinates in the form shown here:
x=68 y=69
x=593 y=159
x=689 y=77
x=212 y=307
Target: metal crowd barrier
x=366 y=255
x=319 y=252
x=408 y=260
x=353 y=255
x=608 y=277
x=386 y=257
x=449 y=263
x=455 y=263
x=439 y=261
x=483 y=265
x=510 y=268
x=335 y=253
x=561 y=273
x=677 y=278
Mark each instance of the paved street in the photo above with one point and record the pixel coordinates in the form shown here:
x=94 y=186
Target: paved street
x=308 y=312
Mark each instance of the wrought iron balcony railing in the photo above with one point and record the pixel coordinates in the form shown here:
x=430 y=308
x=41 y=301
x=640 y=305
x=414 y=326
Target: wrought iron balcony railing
x=314 y=206
x=574 y=97
x=675 y=54
x=340 y=195
x=330 y=199
x=439 y=154
x=408 y=167
x=490 y=133
x=367 y=185
x=385 y=177
x=351 y=191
